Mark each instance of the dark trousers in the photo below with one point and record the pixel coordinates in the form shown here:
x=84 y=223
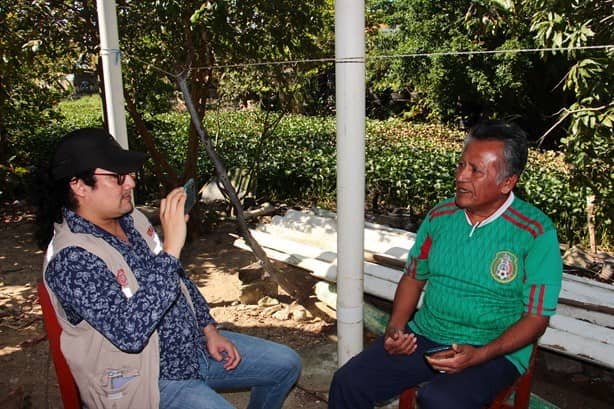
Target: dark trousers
x=376 y=376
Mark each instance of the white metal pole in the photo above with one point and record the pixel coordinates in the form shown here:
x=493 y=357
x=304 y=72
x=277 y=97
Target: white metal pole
x=111 y=68
x=350 y=105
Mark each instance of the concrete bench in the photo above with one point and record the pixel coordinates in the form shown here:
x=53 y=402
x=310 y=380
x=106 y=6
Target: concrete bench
x=583 y=327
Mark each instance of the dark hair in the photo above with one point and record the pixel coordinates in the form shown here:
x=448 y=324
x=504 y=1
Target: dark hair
x=515 y=144
x=49 y=197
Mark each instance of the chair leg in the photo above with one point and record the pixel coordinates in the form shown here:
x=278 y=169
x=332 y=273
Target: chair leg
x=500 y=401
x=407 y=400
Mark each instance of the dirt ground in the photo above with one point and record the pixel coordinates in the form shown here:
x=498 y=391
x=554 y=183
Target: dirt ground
x=27 y=375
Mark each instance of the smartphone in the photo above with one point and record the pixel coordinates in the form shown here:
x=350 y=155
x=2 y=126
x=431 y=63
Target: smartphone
x=190 y=191
x=436 y=350
x=431 y=352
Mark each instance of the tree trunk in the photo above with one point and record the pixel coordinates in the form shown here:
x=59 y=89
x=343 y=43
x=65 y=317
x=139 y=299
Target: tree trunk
x=164 y=171
x=590 y=220
x=290 y=287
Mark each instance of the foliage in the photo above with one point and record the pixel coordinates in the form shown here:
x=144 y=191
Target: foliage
x=29 y=72
x=296 y=161
x=13 y=178
x=589 y=118
x=460 y=88
x=213 y=41
x=38 y=47
x=35 y=148
x=42 y=40
x=547 y=184
x=285 y=31
x=528 y=87
x=407 y=165
x=410 y=166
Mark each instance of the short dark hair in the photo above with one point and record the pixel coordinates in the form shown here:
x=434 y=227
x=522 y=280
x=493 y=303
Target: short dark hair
x=515 y=144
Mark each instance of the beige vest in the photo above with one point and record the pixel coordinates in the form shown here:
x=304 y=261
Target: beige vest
x=97 y=365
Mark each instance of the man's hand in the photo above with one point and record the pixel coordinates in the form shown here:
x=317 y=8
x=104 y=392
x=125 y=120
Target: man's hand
x=397 y=342
x=525 y=331
x=456 y=359
x=173 y=221
x=221 y=348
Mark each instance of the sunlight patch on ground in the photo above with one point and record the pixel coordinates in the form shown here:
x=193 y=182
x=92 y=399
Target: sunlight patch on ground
x=8 y=350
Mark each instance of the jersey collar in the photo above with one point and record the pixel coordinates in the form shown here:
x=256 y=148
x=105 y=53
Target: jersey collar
x=492 y=217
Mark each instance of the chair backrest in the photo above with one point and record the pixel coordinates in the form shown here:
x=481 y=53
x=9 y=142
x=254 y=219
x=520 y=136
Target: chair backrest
x=68 y=387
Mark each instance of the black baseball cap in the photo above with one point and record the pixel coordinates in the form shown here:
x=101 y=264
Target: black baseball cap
x=91 y=148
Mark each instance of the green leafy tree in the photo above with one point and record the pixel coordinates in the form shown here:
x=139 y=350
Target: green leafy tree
x=36 y=52
x=571 y=85
x=565 y=26
x=24 y=72
x=41 y=41
x=164 y=38
x=460 y=87
x=159 y=39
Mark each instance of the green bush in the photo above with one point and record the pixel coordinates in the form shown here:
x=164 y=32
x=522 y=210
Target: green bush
x=546 y=183
x=407 y=165
x=14 y=180
x=410 y=166
x=295 y=160
x=33 y=146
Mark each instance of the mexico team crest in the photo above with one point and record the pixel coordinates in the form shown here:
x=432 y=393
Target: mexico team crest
x=504 y=267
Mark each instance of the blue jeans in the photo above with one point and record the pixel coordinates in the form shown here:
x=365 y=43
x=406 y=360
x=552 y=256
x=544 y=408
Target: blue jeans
x=375 y=376
x=269 y=369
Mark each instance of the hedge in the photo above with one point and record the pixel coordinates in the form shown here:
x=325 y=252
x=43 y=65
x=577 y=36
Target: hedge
x=410 y=166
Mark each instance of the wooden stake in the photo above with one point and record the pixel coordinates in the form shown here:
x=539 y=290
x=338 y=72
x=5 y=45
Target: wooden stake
x=222 y=174
x=590 y=216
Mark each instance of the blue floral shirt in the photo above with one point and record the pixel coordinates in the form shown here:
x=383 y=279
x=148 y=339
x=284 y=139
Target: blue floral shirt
x=89 y=291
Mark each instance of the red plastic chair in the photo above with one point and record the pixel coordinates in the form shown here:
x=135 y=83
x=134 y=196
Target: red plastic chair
x=522 y=387
x=68 y=387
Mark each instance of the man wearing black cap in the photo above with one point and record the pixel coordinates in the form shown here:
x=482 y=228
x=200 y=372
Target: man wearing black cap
x=137 y=333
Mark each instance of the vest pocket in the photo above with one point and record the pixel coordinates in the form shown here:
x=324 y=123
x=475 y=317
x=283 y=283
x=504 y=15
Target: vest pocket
x=116 y=387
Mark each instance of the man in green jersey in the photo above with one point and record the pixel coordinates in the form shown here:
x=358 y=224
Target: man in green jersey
x=489 y=268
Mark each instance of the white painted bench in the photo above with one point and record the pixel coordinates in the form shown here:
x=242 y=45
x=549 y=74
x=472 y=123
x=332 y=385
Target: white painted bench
x=582 y=328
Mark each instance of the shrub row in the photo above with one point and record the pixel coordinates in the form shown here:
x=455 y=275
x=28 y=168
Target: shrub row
x=407 y=165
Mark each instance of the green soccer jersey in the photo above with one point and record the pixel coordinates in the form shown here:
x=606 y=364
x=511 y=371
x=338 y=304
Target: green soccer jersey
x=482 y=278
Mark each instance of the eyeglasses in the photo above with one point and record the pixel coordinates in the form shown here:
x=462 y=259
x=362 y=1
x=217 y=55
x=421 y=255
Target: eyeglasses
x=120 y=178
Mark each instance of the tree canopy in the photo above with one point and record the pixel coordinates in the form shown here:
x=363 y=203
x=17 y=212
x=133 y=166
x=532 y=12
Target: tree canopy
x=589 y=118
x=451 y=85
x=428 y=61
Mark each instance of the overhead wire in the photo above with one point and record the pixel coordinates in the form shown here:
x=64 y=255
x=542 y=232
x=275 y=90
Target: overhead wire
x=353 y=60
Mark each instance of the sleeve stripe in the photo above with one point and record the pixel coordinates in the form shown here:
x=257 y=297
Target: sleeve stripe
x=539 y=308
x=443 y=209
x=546 y=311
x=444 y=205
x=411 y=266
x=443 y=212
x=542 y=293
